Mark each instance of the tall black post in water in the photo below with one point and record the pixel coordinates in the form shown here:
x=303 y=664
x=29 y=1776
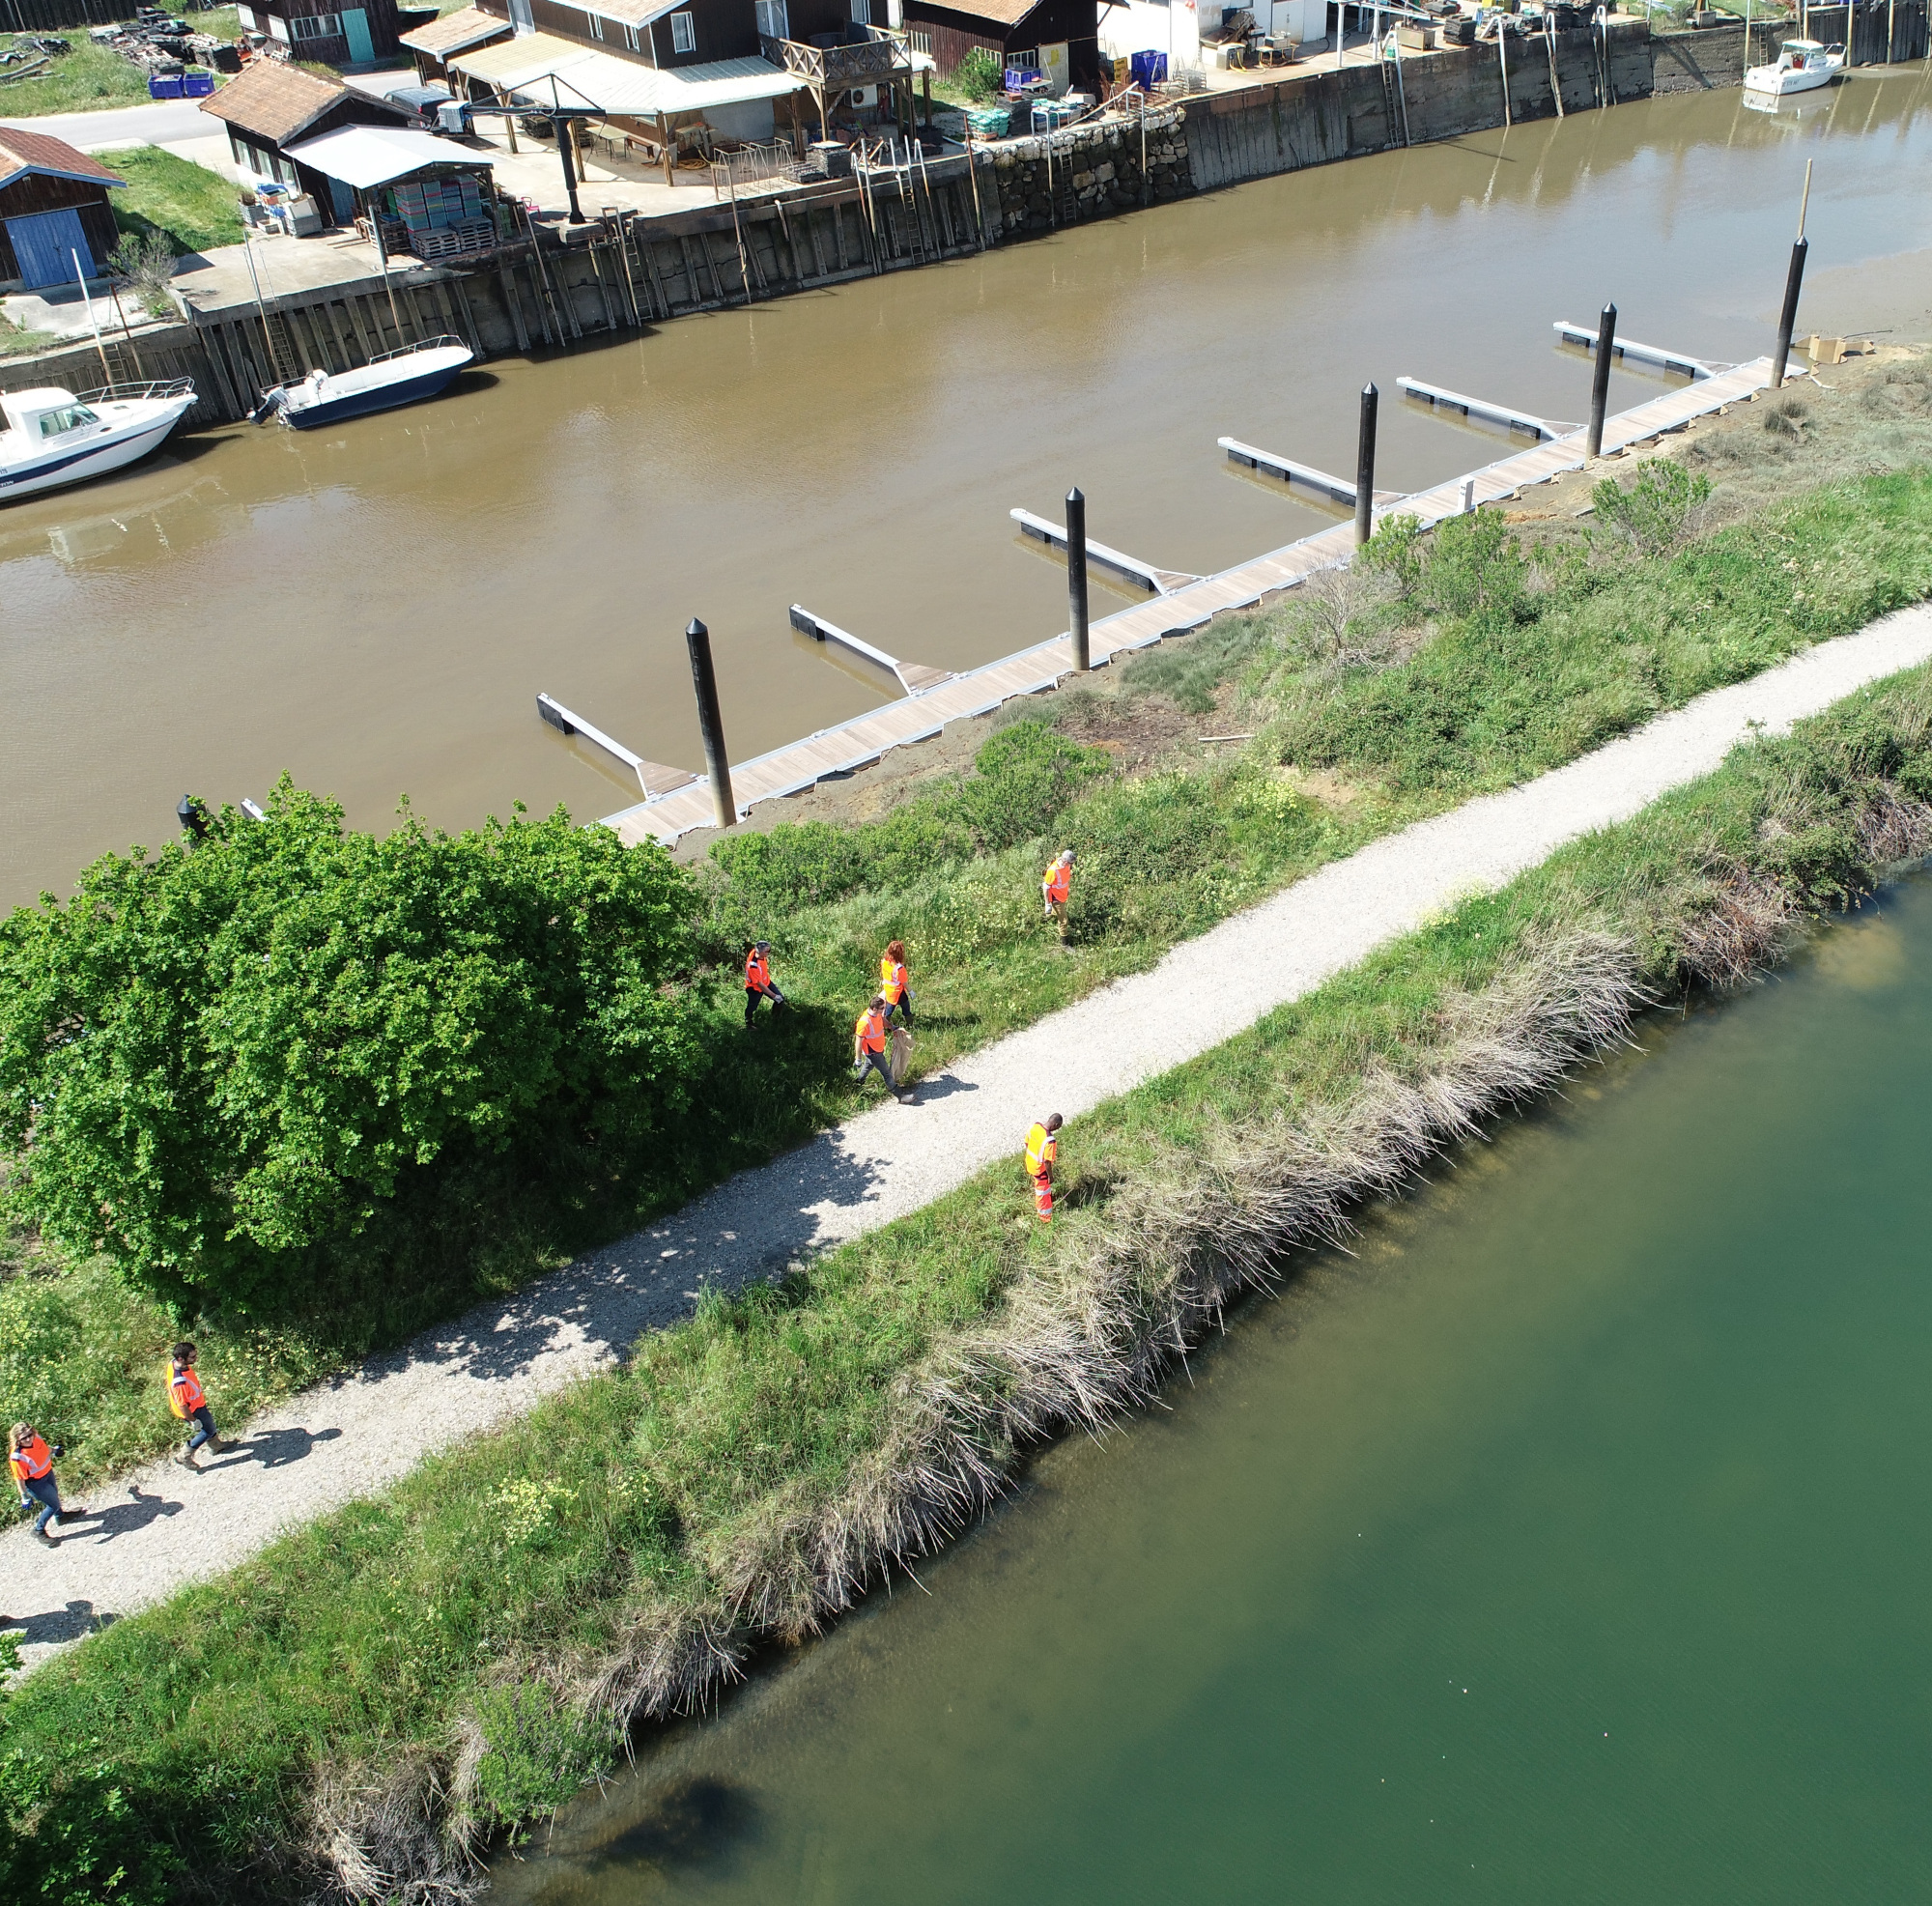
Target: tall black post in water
x=1788 y=316
x=1365 y=467
x=704 y=685
x=193 y=817
x=567 y=138
x=1076 y=577
x=1599 y=380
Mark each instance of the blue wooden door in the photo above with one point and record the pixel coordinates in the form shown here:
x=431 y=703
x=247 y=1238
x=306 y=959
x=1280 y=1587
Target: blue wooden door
x=356 y=28
x=44 y=245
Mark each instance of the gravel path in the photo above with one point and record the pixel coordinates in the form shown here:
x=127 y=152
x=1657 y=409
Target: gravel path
x=162 y=1527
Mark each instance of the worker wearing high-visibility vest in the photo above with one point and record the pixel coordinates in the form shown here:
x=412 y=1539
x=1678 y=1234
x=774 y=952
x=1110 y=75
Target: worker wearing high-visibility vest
x=1042 y=1147
x=1056 y=888
x=869 y=1047
x=895 y=988
x=758 y=981
x=187 y=1402
x=32 y=1464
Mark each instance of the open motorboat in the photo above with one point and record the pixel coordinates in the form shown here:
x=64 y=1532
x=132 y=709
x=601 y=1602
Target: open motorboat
x=52 y=437
x=1802 y=64
x=396 y=377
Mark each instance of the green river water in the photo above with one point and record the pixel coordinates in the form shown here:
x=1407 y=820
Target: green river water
x=1565 y=1543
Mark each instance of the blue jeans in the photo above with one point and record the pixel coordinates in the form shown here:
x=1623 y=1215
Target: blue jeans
x=902 y=1005
x=44 y=1491
x=204 y=1421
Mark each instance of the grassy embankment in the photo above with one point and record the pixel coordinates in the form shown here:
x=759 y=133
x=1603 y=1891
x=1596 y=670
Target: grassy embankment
x=91 y=78
x=374 y=1696
x=184 y=203
x=1374 y=707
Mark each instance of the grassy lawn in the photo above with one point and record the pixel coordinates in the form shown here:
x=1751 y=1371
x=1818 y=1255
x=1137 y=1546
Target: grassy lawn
x=91 y=78
x=16 y=342
x=190 y=206
x=750 y=1470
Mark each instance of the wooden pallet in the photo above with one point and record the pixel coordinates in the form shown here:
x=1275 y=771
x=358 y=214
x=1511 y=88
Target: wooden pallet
x=861 y=741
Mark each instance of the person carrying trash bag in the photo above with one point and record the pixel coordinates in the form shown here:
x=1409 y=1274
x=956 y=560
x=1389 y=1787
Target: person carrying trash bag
x=869 y=1047
x=1055 y=889
x=32 y=1463
x=895 y=986
x=758 y=981
x=1042 y=1148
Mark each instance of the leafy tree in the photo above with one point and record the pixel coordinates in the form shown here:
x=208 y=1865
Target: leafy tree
x=980 y=75
x=220 y=1062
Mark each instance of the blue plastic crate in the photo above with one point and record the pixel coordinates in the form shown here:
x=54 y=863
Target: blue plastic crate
x=164 y=86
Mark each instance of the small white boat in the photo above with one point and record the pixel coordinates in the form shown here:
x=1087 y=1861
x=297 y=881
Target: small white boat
x=395 y=377
x=53 y=438
x=1802 y=66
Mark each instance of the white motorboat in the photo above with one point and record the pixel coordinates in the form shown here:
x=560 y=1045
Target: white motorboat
x=1802 y=66
x=396 y=377
x=53 y=438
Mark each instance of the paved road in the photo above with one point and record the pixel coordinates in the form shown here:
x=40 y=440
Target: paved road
x=152 y=122
x=163 y=1528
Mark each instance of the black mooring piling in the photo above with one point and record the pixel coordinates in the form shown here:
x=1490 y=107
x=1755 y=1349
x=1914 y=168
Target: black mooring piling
x=1600 y=379
x=1076 y=577
x=1788 y=316
x=1365 y=467
x=711 y=724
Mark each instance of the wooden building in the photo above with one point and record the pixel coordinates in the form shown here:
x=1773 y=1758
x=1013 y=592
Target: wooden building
x=1060 y=38
x=332 y=34
x=53 y=208
x=270 y=107
x=434 y=46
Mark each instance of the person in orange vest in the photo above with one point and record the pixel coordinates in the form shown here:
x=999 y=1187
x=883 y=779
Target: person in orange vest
x=1057 y=888
x=189 y=1405
x=895 y=988
x=869 y=1047
x=1042 y=1147
x=758 y=983
x=32 y=1463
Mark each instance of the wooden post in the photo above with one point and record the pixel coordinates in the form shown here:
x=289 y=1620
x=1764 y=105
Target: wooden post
x=1600 y=381
x=711 y=724
x=1788 y=316
x=1365 y=465
x=565 y=139
x=1502 y=54
x=1076 y=577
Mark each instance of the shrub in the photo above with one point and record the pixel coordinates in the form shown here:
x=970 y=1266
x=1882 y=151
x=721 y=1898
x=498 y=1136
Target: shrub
x=798 y=863
x=1395 y=551
x=146 y=261
x=980 y=75
x=1658 y=510
x=219 y=1061
x=1027 y=773
x=1475 y=571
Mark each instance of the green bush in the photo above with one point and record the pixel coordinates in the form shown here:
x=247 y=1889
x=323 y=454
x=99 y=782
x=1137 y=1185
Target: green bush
x=1658 y=510
x=1027 y=775
x=980 y=75
x=220 y=1062
x=1476 y=569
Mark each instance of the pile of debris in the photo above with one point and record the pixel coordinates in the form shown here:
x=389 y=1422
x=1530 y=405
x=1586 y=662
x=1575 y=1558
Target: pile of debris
x=164 y=44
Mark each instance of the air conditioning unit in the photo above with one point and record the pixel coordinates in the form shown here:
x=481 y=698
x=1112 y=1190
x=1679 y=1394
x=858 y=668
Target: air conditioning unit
x=861 y=95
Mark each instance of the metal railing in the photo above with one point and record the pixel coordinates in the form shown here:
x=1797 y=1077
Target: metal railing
x=421 y=344
x=134 y=390
x=753 y=165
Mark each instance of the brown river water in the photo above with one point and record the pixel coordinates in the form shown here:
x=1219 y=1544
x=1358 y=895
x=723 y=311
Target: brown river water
x=375 y=608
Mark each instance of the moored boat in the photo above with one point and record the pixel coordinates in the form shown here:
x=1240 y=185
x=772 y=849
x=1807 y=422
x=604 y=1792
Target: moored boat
x=394 y=378
x=52 y=437
x=1802 y=64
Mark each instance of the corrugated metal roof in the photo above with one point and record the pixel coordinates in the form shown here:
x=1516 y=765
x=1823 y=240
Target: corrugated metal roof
x=605 y=82
x=366 y=156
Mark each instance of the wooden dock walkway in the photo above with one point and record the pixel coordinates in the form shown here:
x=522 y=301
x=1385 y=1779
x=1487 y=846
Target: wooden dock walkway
x=865 y=738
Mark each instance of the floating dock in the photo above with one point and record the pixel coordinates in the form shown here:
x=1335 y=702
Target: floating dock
x=864 y=739
x=1305 y=476
x=1127 y=569
x=1652 y=354
x=1439 y=399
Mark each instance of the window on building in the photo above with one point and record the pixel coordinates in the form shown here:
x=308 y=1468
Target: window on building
x=278 y=28
x=684 y=32
x=246 y=16
x=774 y=23
x=523 y=18
x=596 y=25
x=631 y=39
x=316 y=26
x=862 y=12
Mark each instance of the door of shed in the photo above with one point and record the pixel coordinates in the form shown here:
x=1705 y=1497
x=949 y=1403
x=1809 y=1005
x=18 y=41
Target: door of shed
x=356 y=29
x=43 y=242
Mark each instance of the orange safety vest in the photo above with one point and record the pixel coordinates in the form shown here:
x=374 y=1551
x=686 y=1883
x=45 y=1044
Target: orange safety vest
x=892 y=980
x=1059 y=883
x=1040 y=1147
x=185 y=1393
x=31 y=1464
x=758 y=972
x=870 y=1028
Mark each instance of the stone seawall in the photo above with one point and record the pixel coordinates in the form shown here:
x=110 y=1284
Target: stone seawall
x=1068 y=177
